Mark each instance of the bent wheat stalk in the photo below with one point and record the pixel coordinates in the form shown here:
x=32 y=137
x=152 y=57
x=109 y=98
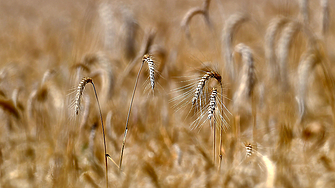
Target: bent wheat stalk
x=145 y=58
x=305 y=67
x=271 y=32
x=304 y=10
x=79 y=94
x=197 y=94
x=248 y=81
x=230 y=28
x=194 y=11
x=325 y=16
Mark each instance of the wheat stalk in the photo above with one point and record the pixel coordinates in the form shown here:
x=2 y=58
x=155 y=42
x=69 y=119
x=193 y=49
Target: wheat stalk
x=284 y=46
x=304 y=10
x=305 y=67
x=270 y=35
x=230 y=28
x=325 y=16
x=211 y=110
x=283 y=49
x=203 y=10
x=144 y=59
x=198 y=92
x=79 y=94
x=247 y=83
x=249 y=78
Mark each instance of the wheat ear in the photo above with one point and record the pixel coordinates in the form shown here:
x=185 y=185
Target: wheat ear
x=79 y=94
x=248 y=149
x=147 y=58
x=198 y=92
x=325 y=16
x=305 y=67
x=145 y=49
x=194 y=11
x=283 y=49
x=270 y=35
x=304 y=10
x=230 y=28
x=202 y=82
x=248 y=81
x=144 y=59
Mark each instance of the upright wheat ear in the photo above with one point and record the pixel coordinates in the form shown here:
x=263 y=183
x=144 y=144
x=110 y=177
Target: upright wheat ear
x=79 y=94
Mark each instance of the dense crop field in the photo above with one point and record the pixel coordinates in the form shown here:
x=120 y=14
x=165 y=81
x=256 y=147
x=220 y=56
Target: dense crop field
x=211 y=93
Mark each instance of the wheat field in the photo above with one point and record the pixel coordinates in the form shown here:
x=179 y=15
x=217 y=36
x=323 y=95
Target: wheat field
x=198 y=93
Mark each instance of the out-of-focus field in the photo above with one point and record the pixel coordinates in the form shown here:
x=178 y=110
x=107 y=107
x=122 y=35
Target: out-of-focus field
x=47 y=47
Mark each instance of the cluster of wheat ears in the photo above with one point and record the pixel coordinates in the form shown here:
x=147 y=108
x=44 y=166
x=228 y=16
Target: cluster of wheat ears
x=184 y=94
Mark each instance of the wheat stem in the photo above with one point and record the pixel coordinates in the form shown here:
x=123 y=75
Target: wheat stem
x=79 y=94
x=126 y=128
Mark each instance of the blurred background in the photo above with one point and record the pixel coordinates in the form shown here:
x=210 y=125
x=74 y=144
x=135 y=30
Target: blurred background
x=274 y=119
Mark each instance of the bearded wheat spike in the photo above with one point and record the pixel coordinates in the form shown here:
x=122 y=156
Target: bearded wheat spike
x=80 y=90
x=202 y=82
x=212 y=103
x=147 y=58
